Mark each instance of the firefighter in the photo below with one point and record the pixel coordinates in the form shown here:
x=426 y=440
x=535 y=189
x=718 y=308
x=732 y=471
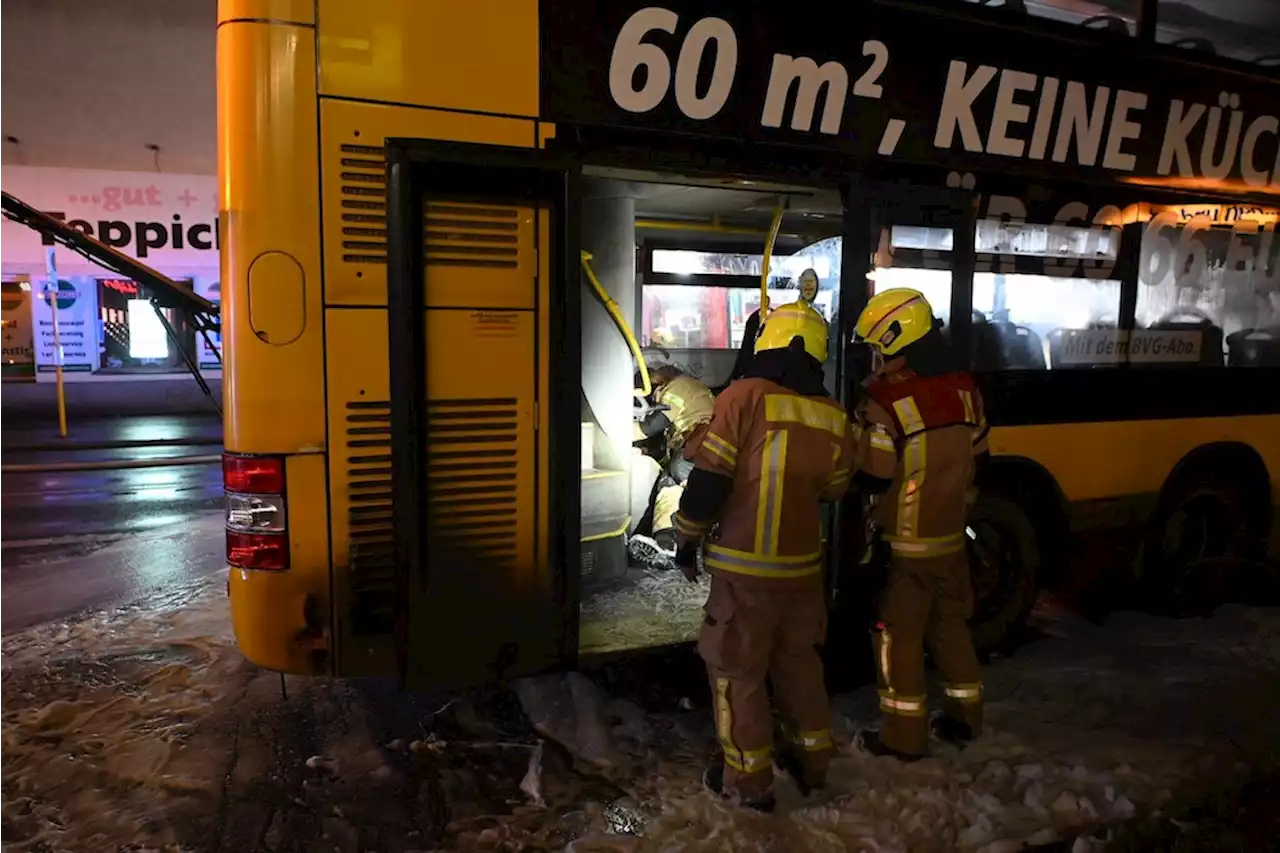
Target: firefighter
x=922 y=437
x=808 y=292
x=681 y=411
x=776 y=448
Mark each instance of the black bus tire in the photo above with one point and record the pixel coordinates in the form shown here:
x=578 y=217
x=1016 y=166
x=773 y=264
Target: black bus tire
x=1004 y=562
x=1201 y=539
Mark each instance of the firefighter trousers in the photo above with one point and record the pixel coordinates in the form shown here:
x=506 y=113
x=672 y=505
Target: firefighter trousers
x=925 y=601
x=757 y=629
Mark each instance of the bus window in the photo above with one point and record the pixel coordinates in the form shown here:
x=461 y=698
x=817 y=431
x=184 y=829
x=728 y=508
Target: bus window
x=1044 y=296
x=923 y=267
x=1245 y=31
x=1036 y=322
x=1096 y=14
x=701 y=326
x=1213 y=290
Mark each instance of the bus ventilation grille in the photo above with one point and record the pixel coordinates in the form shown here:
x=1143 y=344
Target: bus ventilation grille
x=364 y=204
x=372 y=556
x=454 y=234
x=473 y=473
x=472 y=235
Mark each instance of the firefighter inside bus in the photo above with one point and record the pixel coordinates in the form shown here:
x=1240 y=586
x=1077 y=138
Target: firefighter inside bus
x=676 y=412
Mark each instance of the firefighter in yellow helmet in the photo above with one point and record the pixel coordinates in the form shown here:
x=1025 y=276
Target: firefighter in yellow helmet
x=922 y=436
x=777 y=447
x=682 y=407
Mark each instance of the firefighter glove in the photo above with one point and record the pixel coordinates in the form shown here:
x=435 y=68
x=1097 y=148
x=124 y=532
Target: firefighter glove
x=687 y=560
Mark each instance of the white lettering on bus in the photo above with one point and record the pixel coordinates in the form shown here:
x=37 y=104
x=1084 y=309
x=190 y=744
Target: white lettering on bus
x=631 y=53
x=809 y=79
x=1078 y=119
x=1074 y=123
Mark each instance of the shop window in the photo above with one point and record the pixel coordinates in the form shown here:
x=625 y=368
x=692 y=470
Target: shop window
x=1210 y=294
x=133 y=339
x=15 y=328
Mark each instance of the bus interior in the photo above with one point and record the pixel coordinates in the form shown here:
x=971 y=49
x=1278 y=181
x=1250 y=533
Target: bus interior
x=683 y=258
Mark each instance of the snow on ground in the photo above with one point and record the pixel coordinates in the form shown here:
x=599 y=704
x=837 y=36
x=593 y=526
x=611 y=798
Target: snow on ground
x=143 y=727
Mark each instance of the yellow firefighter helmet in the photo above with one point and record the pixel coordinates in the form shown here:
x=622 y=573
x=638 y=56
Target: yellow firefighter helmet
x=795 y=319
x=894 y=319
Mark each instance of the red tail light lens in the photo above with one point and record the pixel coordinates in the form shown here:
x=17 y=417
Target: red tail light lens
x=263 y=475
x=261 y=551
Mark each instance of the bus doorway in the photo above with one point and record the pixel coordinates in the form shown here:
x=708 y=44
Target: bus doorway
x=683 y=257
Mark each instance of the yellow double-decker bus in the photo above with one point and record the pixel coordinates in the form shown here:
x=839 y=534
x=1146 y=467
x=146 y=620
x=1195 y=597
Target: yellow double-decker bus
x=429 y=409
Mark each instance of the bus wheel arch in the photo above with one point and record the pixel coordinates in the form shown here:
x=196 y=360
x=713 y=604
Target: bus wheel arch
x=1017 y=543
x=1211 y=521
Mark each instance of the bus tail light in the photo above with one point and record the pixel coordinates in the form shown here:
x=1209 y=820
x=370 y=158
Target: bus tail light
x=264 y=551
x=254 y=475
x=256 y=514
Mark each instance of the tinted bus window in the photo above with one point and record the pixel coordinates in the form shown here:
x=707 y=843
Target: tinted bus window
x=1240 y=29
x=1098 y=14
x=1218 y=285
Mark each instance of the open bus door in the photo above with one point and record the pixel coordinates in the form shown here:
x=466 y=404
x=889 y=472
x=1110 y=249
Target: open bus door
x=483 y=331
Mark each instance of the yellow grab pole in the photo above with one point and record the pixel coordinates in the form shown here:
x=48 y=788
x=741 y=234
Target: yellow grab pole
x=768 y=258
x=52 y=292
x=621 y=322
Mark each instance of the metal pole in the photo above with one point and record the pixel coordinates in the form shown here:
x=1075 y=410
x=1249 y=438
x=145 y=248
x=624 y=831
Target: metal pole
x=1147 y=11
x=51 y=289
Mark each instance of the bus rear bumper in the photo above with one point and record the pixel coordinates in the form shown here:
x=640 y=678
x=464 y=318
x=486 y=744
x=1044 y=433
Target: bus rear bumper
x=279 y=624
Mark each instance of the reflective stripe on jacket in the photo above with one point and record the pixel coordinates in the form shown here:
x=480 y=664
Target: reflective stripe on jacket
x=921 y=434
x=692 y=404
x=786 y=453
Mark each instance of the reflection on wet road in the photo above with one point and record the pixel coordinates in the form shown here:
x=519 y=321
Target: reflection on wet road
x=74 y=540
x=57 y=504
x=65 y=577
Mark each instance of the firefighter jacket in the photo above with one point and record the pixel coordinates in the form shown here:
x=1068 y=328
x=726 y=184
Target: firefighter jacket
x=921 y=434
x=691 y=405
x=780 y=454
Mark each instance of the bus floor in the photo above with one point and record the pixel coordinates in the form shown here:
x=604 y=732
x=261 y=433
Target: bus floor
x=643 y=609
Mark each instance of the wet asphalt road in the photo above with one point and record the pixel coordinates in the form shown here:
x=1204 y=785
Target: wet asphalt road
x=39 y=505
x=79 y=539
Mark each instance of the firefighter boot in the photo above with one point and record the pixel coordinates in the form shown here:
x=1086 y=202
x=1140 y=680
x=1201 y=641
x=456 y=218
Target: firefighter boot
x=791 y=764
x=653 y=551
x=869 y=741
x=950 y=730
x=713 y=781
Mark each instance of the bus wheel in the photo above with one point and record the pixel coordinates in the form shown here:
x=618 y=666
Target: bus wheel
x=1004 y=558
x=1198 y=544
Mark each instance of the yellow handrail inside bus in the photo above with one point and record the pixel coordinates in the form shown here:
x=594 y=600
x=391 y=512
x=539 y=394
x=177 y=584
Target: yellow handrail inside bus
x=618 y=320
x=768 y=258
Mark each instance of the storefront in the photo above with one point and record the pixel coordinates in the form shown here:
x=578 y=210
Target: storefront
x=18 y=358
x=107 y=326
